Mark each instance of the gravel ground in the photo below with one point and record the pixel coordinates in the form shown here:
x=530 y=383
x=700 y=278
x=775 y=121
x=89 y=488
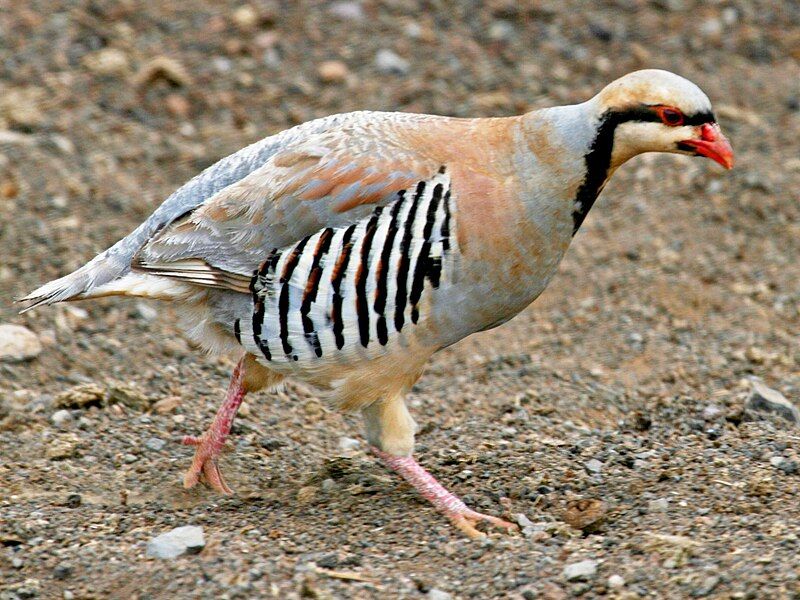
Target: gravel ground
x=610 y=414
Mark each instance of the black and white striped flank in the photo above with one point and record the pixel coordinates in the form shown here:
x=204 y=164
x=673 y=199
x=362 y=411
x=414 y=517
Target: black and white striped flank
x=352 y=287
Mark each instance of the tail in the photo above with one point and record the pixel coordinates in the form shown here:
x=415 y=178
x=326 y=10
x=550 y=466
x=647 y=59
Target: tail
x=90 y=279
x=96 y=277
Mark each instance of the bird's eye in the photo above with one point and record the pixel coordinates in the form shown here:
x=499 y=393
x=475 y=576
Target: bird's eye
x=670 y=116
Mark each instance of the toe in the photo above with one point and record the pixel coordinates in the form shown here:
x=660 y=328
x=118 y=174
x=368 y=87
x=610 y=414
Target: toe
x=213 y=477
x=191 y=477
x=467 y=527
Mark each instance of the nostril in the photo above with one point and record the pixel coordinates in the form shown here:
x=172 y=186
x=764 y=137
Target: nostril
x=708 y=132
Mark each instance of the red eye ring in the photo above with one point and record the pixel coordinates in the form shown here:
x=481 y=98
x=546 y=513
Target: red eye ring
x=670 y=116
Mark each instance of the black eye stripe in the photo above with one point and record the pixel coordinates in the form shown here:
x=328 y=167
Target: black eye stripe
x=645 y=113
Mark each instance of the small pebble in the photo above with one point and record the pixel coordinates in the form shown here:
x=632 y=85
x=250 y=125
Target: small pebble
x=18 y=343
x=658 y=505
x=61 y=418
x=615 y=582
x=348 y=11
x=387 y=61
x=580 y=571
x=765 y=399
x=332 y=71
x=593 y=466
x=181 y=540
x=347 y=444
x=62 y=571
x=154 y=444
x=146 y=311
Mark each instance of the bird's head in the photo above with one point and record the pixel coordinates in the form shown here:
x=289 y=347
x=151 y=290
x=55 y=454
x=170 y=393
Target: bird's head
x=658 y=111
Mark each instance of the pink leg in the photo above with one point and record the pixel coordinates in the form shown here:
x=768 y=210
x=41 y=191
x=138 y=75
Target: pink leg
x=209 y=445
x=449 y=504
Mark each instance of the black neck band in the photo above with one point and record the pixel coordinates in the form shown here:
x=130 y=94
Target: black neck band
x=598 y=159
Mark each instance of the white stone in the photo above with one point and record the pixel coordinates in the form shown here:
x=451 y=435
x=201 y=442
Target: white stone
x=387 y=61
x=615 y=582
x=594 y=466
x=347 y=444
x=155 y=444
x=180 y=540
x=523 y=521
x=436 y=594
x=146 y=312
x=765 y=399
x=61 y=418
x=18 y=343
x=349 y=11
x=658 y=505
x=581 y=570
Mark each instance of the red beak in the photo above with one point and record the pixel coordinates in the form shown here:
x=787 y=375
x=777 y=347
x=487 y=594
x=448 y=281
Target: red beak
x=711 y=144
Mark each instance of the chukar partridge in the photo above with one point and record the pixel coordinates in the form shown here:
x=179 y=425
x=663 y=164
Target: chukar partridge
x=345 y=251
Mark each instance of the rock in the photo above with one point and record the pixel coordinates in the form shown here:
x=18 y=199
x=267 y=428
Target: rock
x=580 y=571
x=188 y=539
x=62 y=571
x=18 y=343
x=706 y=587
x=21 y=107
x=593 y=466
x=755 y=355
x=711 y=412
x=523 y=521
x=307 y=494
x=271 y=444
x=166 y=405
x=436 y=594
x=245 y=18
x=386 y=61
x=765 y=399
x=61 y=418
x=61 y=449
x=616 y=582
x=128 y=396
x=658 y=505
x=776 y=461
x=162 y=67
x=154 y=444
x=332 y=71
x=108 y=61
x=347 y=444
x=177 y=106
x=146 y=311
x=501 y=31
x=586 y=514
x=348 y=11
x=81 y=396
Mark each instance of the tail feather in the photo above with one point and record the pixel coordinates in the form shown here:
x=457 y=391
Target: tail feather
x=76 y=285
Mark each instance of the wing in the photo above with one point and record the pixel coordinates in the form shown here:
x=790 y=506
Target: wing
x=328 y=179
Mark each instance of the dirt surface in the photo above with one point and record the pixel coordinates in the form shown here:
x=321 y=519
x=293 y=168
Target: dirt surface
x=613 y=404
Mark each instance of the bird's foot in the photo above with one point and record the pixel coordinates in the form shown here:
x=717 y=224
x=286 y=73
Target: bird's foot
x=209 y=445
x=466 y=520
x=205 y=462
x=445 y=502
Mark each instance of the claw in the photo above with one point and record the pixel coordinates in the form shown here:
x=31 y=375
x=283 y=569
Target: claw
x=205 y=464
x=462 y=517
x=467 y=519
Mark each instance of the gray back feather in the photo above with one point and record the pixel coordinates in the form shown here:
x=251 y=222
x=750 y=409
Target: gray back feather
x=116 y=260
